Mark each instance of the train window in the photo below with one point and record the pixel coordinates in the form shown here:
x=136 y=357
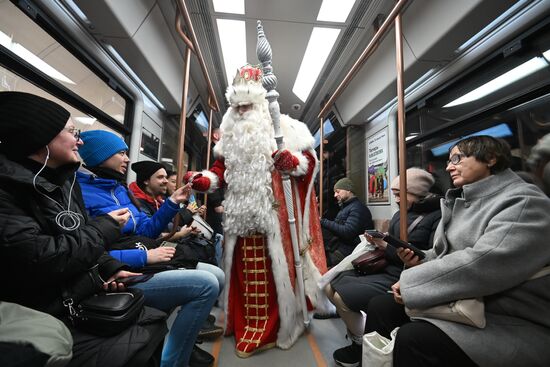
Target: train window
x=31 y=44
x=200 y=120
x=149 y=144
x=169 y=148
x=11 y=82
x=505 y=96
x=327 y=130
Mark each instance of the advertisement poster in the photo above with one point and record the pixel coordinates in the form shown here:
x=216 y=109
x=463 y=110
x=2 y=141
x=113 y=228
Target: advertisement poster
x=377 y=162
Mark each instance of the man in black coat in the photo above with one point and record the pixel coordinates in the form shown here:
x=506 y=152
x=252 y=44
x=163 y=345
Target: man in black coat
x=47 y=242
x=341 y=235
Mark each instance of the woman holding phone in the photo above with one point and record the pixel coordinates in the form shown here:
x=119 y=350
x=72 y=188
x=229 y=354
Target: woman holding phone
x=351 y=292
x=492 y=238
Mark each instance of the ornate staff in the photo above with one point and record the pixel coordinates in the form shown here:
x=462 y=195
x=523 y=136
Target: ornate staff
x=269 y=82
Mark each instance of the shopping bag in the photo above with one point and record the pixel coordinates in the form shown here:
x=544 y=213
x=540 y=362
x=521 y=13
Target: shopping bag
x=378 y=350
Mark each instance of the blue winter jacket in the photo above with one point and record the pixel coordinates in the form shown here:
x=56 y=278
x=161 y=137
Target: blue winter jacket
x=103 y=195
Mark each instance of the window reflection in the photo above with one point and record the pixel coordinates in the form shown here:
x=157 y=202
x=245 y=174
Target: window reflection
x=21 y=36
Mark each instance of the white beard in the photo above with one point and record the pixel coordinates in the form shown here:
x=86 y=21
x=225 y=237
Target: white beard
x=247 y=144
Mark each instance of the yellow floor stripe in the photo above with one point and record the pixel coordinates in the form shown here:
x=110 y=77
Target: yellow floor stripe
x=315 y=350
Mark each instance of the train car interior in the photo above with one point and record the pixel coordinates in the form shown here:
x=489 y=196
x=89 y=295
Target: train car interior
x=470 y=67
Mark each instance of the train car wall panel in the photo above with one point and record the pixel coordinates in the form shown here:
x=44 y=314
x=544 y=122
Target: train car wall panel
x=148 y=47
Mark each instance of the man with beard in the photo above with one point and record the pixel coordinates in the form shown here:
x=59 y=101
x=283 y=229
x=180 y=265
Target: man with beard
x=261 y=302
x=150 y=185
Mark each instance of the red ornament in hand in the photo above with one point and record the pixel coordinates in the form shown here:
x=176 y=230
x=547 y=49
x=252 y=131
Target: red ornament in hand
x=188 y=175
x=284 y=160
x=198 y=181
x=201 y=183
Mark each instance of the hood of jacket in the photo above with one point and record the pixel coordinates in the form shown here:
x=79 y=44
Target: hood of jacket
x=142 y=195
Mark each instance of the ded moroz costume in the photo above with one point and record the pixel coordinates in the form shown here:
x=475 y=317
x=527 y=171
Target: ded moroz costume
x=262 y=303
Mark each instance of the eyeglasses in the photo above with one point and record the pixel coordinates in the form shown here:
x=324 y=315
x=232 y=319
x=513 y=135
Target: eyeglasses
x=455 y=159
x=74 y=131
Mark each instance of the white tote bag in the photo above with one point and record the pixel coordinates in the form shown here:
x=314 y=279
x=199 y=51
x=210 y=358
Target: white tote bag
x=378 y=350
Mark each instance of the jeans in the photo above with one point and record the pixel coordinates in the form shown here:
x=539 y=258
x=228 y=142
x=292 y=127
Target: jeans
x=195 y=291
x=218 y=273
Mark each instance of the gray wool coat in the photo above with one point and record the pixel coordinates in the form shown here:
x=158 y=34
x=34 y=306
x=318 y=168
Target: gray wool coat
x=493 y=236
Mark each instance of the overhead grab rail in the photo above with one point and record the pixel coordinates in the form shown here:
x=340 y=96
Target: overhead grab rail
x=190 y=39
x=393 y=17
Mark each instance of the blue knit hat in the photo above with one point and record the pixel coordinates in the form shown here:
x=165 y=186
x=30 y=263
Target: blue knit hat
x=99 y=145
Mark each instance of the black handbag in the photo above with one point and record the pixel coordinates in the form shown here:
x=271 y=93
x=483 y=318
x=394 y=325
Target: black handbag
x=370 y=263
x=106 y=314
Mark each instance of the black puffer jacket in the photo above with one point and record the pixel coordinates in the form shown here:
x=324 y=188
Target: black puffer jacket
x=37 y=257
x=423 y=233
x=350 y=222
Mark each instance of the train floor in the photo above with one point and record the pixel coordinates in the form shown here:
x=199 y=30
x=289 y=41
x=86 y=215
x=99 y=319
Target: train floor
x=313 y=349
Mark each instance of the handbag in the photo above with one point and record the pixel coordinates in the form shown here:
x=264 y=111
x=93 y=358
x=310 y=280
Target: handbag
x=106 y=314
x=378 y=350
x=470 y=311
x=202 y=226
x=371 y=262
x=375 y=261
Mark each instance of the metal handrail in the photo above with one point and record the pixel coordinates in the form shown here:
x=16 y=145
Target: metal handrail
x=363 y=57
x=190 y=40
x=393 y=18
x=197 y=50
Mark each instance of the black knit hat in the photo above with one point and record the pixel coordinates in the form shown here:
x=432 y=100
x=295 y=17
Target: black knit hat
x=28 y=123
x=145 y=169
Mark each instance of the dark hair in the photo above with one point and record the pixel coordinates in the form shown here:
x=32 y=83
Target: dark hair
x=170 y=173
x=484 y=148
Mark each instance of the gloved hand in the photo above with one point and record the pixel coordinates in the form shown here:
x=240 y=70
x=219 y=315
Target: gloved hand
x=188 y=175
x=197 y=180
x=284 y=160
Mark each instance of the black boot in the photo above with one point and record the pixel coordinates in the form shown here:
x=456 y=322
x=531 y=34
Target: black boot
x=209 y=329
x=349 y=356
x=200 y=358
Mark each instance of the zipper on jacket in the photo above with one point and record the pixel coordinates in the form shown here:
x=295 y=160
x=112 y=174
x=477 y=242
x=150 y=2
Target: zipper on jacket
x=118 y=203
x=114 y=197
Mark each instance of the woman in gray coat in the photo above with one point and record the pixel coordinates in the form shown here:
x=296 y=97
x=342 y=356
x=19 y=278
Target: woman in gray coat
x=492 y=238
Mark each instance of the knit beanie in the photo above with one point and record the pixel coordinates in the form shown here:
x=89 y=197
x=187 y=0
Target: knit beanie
x=419 y=182
x=99 y=145
x=145 y=169
x=28 y=123
x=344 y=184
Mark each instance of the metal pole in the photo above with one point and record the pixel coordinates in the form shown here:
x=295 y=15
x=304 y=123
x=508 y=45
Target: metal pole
x=348 y=151
x=269 y=81
x=209 y=139
x=208 y=147
x=183 y=117
x=185 y=13
x=364 y=56
x=401 y=130
x=322 y=168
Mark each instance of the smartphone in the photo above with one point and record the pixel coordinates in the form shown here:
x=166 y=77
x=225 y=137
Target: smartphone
x=374 y=233
x=135 y=279
x=168 y=244
x=398 y=243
